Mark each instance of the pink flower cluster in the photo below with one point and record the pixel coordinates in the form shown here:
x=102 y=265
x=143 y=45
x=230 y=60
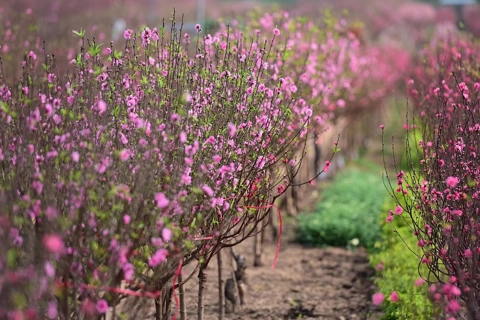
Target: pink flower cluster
x=446 y=188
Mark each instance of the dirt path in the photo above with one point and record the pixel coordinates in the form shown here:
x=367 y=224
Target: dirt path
x=307 y=283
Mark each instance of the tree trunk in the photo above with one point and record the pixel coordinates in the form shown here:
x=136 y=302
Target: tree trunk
x=181 y=293
x=158 y=308
x=202 y=277
x=167 y=304
x=221 y=296
x=259 y=242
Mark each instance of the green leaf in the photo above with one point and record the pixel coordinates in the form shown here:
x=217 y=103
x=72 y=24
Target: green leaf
x=12 y=256
x=95 y=49
x=80 y=33
x=4 y=107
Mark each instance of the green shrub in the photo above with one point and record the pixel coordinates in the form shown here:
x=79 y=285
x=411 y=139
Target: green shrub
x=400 y=269
x=349 y=209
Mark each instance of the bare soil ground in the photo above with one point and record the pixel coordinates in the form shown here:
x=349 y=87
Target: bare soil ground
x=307 y=283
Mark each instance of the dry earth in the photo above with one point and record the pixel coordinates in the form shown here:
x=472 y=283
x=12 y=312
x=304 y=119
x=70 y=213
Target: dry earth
x=307 y=283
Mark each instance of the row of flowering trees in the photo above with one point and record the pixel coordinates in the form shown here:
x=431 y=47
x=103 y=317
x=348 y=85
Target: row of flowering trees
x=441 y=194
x=137 y=162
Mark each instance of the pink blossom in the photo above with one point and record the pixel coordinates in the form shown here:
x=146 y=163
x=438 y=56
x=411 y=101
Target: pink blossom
x=158 y=257
x=452 y=181
x=161 y=200
x=52 y=310
x=49 y=109
x=231 y=129
x=183 y=137
x=455 y=291
x=51 y=212
x=207 y=190
x=398 y=210
x=452 y=307
x=125 y=154
x=128 y=271
x=52 y=154
x=75 y=156
x=102 y=107
x=126 y=219
x=276 y=32
x=476 y=86
x=198 y=27
x=217 y=158
x=143 y=142
x=378 y=298
x=382 y=126
x=186 y=178
x=188 y=161
x=123 y=138
x=146 y=34
x=419 y=282
x=327 y=166
x=88 y=307
x=132 y=101
x=308 y=112
x=102 y=306
x=155 y=34
x=174 y=117
x=102 y=166
x=51 y=77
x=260 y=162
x=394 y=297
x=49 y=270
x=468 y=253
x=457 y=213
x=166 y=234
x=389 y=219
x=53 y=243
x=157 y=242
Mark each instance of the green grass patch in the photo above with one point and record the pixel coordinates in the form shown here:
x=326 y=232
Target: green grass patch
x=398 y=254
x=349 y=209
